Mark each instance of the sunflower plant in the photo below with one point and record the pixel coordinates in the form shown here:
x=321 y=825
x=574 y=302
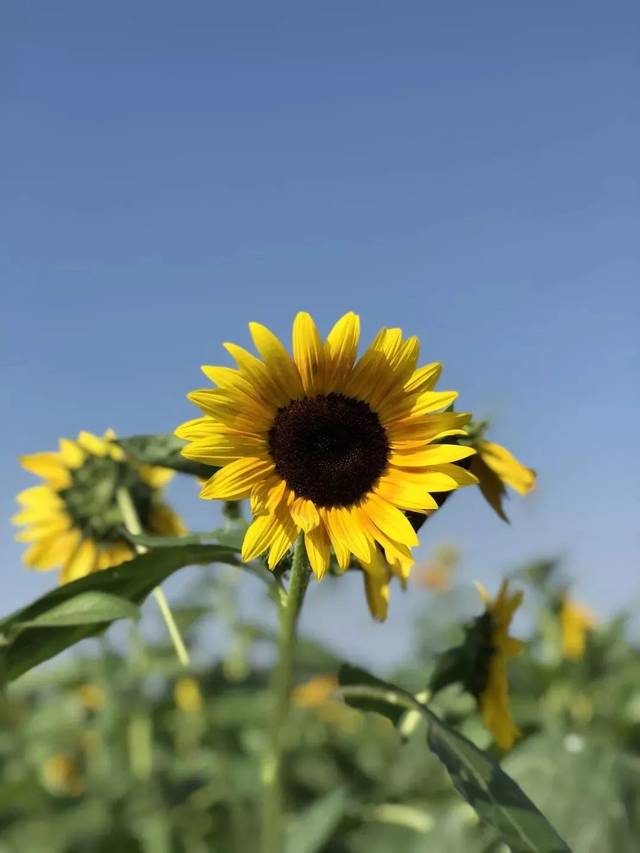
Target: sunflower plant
x=341 y=459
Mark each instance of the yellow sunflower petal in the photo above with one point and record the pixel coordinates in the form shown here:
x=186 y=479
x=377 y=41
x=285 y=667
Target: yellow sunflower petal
x=71 y=454
x=219 y=448
x=341 y=348
x=308 y=353
x=278 y=361
x=316 y=543
x=51 y=552
x=390 y=520
x=507 y=467
x=49 y=466
x=92 y=444
x=437 y=478
x=155 y=476
x=81 y=563
x=424 y=378
x=305 y=514
x=377 y=576
x=235 y=480
x=257 y=373
x=343 y=526
x=432 y=454
x=195 y=428
x=340 y=548
x=259 y=536
x=286 y=535
x=402 y=492
x=45 y=528
x=39 y=497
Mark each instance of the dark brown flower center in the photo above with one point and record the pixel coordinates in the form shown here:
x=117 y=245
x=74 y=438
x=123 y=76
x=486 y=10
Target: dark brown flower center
x=329 y=449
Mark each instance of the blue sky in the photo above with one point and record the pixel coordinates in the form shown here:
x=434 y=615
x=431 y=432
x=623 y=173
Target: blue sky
x=466 y=171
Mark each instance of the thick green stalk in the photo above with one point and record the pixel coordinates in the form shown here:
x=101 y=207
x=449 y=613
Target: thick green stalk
x=289 y=609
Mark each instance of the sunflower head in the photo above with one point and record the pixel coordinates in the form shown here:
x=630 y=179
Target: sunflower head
x=328 y=446
x=493 y=693
x=72 y=520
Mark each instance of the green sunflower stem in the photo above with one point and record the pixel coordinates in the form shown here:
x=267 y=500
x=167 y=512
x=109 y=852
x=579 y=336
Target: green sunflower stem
x=132 y=523
x=282 y=677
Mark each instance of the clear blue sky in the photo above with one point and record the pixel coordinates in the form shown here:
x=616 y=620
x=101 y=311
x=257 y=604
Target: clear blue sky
x=466 y=171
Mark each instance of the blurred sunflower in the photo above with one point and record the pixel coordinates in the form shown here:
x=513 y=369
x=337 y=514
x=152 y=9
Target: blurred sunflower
x=73 y=520
x=496 y=467
x=576 y=621
x=493 y=694
x=330 y=447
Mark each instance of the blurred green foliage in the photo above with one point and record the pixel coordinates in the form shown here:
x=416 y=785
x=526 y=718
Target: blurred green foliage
x=122 y=750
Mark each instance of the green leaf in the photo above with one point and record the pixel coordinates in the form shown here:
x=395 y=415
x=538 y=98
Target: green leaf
x=314 y=826
x=496 y=798
x=26 y=644
x=87 y=608
x=164 y=451
x=480 y=780
x=349 y=676
x=148 y=540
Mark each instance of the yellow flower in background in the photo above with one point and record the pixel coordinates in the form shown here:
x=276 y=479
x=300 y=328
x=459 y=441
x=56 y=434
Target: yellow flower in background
x=494 y=697
x=61 y=775
x=72 y=520
x=316 y=691
x=495 y=467
x=575 y=622
x=187 y=695
x=437 y=574
x=92 y=697
x=329 y=446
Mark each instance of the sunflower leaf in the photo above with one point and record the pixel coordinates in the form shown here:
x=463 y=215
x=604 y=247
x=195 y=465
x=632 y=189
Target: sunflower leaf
x=29 y=643
x=497 y=799
x=164 y=451
x=87 y=608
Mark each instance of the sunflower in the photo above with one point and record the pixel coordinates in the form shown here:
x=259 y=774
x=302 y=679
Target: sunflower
x=73 y=520
x=330 y=447
x=576 y=621
x=496 y=467
x=494 y=692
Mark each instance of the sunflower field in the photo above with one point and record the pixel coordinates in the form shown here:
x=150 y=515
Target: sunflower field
x=325 y=461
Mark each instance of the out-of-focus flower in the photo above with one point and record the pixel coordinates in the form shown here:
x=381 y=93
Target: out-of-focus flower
x=329 y=447
x=575 y=622
x=187 y=695
x=92 y=697
x=73 y=520
x=436 y=574
x=61 y=775
x=494 y=695
x=316 y=691
x=495 y=467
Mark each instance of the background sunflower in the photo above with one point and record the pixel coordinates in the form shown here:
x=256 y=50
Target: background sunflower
x=73 y=521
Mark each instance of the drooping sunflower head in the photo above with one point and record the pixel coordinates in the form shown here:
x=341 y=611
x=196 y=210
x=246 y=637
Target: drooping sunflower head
x=72 y=520
x=328 y=445
x=493 y=690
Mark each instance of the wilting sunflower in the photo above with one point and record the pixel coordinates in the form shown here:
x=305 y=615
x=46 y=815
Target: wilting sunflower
x=329 y=446
x=73 y=520
x=496 y=467
x=494 y=692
